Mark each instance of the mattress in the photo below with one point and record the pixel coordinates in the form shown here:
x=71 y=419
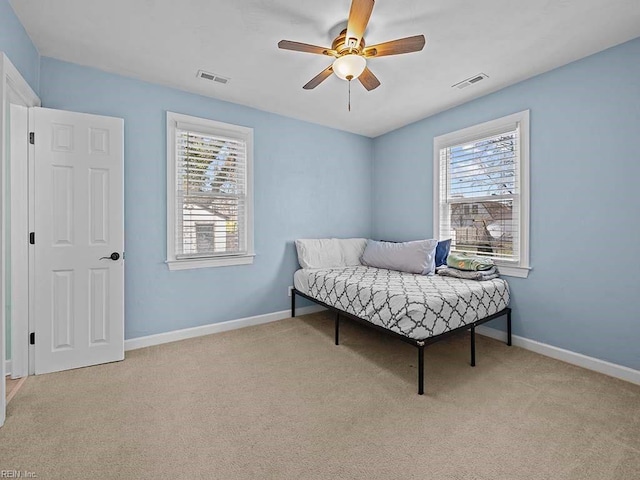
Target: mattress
x=415 y=306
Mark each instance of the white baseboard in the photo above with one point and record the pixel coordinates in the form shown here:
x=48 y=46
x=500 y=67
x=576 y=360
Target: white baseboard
x=7 y=367
x=590 y=363
x=174 y=336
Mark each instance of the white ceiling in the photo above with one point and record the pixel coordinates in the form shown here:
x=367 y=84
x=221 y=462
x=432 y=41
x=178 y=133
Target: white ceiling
x=168 y=41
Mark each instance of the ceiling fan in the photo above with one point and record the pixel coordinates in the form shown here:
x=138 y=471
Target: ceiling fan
x=350 y=52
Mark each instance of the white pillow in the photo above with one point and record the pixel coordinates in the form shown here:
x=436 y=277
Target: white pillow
x=412 y=257
x=352 y=249
x=319 y=253
x=330 y=252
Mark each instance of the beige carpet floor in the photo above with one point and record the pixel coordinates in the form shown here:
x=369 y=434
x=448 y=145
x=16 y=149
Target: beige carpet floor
x=280 y=401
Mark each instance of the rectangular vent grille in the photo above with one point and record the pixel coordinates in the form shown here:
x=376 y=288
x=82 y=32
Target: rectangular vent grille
x=470 y=81
x=213 y=77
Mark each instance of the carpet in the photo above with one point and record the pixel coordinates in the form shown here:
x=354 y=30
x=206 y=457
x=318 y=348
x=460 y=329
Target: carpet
x=281 y=401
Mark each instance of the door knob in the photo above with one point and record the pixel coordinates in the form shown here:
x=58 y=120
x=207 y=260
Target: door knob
x=114 y=256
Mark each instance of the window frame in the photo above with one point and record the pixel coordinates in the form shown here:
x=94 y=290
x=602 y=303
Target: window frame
x=213 y=127
x=521 y=267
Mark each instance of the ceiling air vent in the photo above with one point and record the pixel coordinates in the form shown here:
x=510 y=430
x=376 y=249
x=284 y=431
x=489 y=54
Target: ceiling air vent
x=470 y=81
x=213 y=77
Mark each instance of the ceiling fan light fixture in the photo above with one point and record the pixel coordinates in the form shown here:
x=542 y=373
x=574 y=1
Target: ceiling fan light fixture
x=350 y=66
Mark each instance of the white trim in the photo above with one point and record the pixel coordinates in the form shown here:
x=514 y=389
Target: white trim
x=174 y=336
x=486 y=129
x=10 y=78
x=32 y=250
x=19 y=226
x=223 y=261
x=525 y=189
x=590 y=363
x=513 y=271
x=17 y=83
x=217 y=128
x=7 y=367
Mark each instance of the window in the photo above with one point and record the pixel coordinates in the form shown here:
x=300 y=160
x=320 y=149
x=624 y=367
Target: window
x=209 y=196
x=481 y=191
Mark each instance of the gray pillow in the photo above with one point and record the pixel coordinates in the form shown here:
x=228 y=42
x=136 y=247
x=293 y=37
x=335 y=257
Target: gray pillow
x=411 y=257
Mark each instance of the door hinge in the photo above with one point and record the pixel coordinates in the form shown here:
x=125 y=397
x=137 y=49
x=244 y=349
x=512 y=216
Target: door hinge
x=32 y=238
x=32 y=138
x=32 y=338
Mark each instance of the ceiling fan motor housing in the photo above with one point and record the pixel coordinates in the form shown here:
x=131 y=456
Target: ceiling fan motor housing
x=342 y=45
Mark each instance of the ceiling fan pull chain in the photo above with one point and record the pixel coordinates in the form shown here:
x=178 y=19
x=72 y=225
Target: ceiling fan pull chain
x=349 y=94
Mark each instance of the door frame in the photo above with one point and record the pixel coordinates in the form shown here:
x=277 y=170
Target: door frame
x=17 y=248
x=13 y=88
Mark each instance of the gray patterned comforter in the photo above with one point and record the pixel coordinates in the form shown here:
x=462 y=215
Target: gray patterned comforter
x=415 y=306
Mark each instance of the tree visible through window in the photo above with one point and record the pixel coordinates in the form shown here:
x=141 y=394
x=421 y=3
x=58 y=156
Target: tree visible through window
x=481 y=185
x=480 y=190
x=211 y=207
x=211 y=193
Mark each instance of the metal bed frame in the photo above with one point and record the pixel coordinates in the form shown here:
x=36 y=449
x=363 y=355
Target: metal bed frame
x=420 y=344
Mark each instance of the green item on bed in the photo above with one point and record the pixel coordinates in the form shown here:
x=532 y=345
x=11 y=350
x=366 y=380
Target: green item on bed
x=470 y=263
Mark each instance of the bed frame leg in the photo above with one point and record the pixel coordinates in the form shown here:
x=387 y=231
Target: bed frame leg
x=420 y=369
x=293 y=303
x=337 y=329
x=473 y=346
x=509 y=327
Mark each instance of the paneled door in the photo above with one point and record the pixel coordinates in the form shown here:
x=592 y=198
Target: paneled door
x=79 y=240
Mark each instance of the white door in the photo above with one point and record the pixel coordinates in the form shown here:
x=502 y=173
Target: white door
x=79 y=240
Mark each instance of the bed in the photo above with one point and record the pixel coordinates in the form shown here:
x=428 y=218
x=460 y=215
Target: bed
x=417 y=309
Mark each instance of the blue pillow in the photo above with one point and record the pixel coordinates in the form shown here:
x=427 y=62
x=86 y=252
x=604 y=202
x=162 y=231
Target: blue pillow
x=442 y=252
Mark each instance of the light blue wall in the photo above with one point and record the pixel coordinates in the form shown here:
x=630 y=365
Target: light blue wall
x=310 y=181
x=15 y=42
x=583 y=293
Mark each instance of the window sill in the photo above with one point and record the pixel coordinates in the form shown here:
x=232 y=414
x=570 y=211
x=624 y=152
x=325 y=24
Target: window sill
x=191 y=263
x=513 y=271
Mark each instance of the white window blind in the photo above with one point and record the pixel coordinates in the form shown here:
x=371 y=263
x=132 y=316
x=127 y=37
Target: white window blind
x=480 y=195
x=211 y=194
x=211 y=211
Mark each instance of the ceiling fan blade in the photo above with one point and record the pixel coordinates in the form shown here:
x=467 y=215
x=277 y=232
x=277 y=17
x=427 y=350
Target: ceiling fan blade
x=318 y=79
x=395 y=47
x=358 y=19
x=369 y=80
x=305 y=47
